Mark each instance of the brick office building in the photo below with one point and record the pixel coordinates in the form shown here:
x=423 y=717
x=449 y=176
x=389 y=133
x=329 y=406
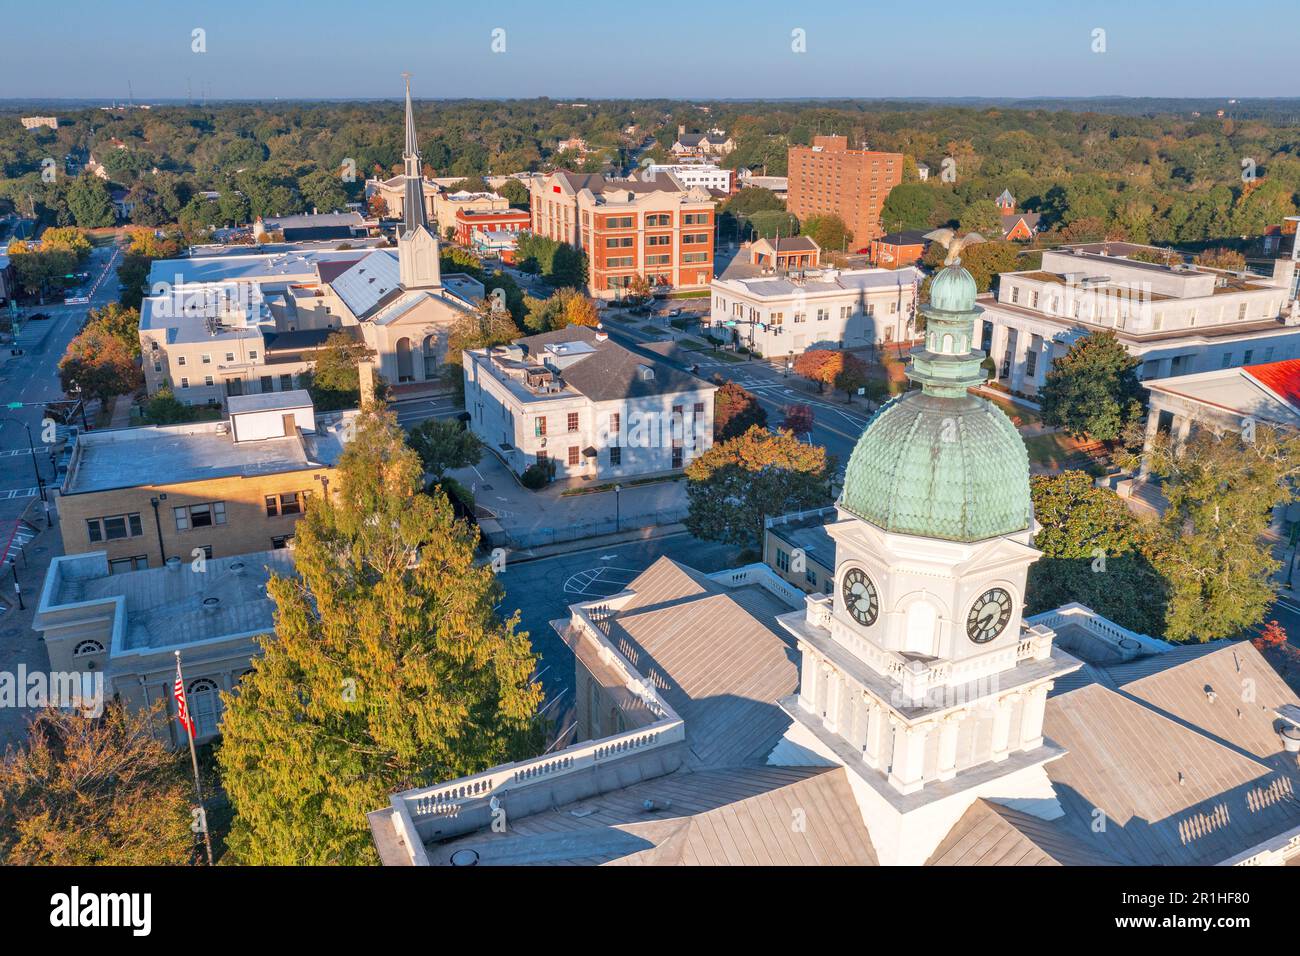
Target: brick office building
x=661 y=230
x=827 y=178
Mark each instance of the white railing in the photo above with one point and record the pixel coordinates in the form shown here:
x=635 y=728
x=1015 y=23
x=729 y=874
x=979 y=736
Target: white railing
x=447 y=799
x=760 y=574
x=1108 y=630
x=819 y=608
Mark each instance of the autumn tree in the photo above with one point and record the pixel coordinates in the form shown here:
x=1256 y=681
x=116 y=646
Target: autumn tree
x=798 y=419
x=735 y=411
x=1093 y=390
x=812 y=365
x=100 y=364
x=564 y=308
x=388 y=667
x=1221 y=258
x=101 y=791
x=829 y=232
x=737 y=483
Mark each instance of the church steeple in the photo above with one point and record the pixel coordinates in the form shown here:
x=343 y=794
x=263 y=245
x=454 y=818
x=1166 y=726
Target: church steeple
x=413 y=205
x=418 y=256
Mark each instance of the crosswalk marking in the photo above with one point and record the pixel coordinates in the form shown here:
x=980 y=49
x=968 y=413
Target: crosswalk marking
x=8 y=493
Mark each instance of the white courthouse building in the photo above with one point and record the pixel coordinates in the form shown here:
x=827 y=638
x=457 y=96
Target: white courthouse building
x=916 y=709
x=778 y=313
x=586 y=403
x=1176 y=320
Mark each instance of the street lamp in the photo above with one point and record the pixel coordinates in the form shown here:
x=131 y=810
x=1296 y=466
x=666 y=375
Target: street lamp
x=618 y=515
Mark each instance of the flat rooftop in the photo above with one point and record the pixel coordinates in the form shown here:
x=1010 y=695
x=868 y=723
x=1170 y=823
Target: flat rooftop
x=176 y=454
x=164 y=607
x=269 y=401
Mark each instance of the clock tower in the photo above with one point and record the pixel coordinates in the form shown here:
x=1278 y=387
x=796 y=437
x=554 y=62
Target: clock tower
x=919 y=673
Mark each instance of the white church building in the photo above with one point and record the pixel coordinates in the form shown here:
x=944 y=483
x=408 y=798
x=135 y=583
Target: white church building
x=912 y=716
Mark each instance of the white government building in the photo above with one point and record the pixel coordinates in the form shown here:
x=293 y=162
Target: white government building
x=586 y=403
x=912 y=716
x=779 y=313
x=1175 y=319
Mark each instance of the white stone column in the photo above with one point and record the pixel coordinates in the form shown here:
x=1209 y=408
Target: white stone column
x=948 y=730
x=1002 y=725
x=909 y=757
x=1031 y=716
x=831 y=709
x=877 y=725
x=1182 y=428
x=1153 y=426
x=808 y=684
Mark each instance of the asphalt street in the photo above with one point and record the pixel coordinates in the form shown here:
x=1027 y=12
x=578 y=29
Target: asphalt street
x=543 y=588
x=33 y=379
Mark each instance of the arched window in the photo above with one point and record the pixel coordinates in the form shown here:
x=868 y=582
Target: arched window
x=86 y=648
x=204 y=700
x=405 y=368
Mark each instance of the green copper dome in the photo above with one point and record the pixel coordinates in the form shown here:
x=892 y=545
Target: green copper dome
x=953 y=290
x=940 y=462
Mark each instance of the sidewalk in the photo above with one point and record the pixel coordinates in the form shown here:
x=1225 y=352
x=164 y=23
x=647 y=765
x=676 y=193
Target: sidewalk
x=594 y=543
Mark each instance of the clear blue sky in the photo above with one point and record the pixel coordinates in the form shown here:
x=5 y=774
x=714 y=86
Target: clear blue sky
x=669 y=48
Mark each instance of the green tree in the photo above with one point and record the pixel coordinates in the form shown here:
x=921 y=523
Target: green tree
x=735 y=411
x=1093 y=390
x=388 y=668
x=335 y=381
x=164 y=408
x=981 y=215
x=1222 y=490
x=908 y=206
x=1095 y=552
x=103 y=791
x=90 y=203
x=444 y=444
x=563 y=308
x=734 y=485
x=829 y=232
x=119 y=322
x=515 y=193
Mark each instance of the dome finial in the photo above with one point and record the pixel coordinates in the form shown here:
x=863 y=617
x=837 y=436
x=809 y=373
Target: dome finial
x=949 y=240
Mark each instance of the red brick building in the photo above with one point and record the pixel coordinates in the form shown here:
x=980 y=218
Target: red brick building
x=470 y=221
x=660 y=230
x=828 y=178
x=898 y=249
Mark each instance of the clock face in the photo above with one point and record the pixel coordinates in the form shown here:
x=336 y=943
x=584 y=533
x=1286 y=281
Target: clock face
x=988 y=616
x=860 y=597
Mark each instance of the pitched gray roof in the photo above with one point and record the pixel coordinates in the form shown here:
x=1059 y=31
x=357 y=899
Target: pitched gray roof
x=612 y=371
x=989 y=834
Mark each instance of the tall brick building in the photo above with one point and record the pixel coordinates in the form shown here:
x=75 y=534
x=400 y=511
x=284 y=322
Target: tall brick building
x=659 y=229
x=828 y=178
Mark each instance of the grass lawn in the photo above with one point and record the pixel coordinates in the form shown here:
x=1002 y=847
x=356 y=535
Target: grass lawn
x=1058 y=451
x=1027 y=416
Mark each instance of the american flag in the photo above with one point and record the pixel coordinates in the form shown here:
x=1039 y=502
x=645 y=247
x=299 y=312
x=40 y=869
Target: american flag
x=182 y=708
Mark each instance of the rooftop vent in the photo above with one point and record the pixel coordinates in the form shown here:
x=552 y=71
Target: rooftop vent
x=601 y=334
x=173 y=564
x=210 y=604
x=238 y=567
x=465 y=858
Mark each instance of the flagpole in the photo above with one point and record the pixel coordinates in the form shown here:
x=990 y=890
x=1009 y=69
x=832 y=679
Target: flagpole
x=194 y=762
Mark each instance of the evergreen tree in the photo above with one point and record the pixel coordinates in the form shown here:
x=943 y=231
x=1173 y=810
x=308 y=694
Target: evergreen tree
x=1093 y=390
x=388 y=668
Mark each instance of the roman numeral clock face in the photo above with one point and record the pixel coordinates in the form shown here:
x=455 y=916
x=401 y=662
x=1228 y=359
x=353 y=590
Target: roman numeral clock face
x=988 y=616
x=860 y=598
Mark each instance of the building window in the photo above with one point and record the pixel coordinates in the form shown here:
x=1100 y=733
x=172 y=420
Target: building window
x=542 y=458
x=207 y=359
x=114 y=527
x=810 y=576
x=615 y=455
x=286 y=504
x=185 y=382
x=86 y=648
x=695 y=257
x=782 y=560
x=658 y=219
x=286 y=383
x=137 y=563
x=574 y=454
x=695 y=219
x=1033 y=300
x=823 y=315
x=695 y=238
x=230 y=356
x=620 y=262
x=659 y=240
x=1227 y=359
x=539 y=426
x=573 y=421
x=200 y=516
x=619 y=242
x=281 y=541
x=205 y=706
x=252 y=355
x=1245 y=359
x=1241 y=311
x=180 y=360
x=1015 y=294
x=207 y=380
